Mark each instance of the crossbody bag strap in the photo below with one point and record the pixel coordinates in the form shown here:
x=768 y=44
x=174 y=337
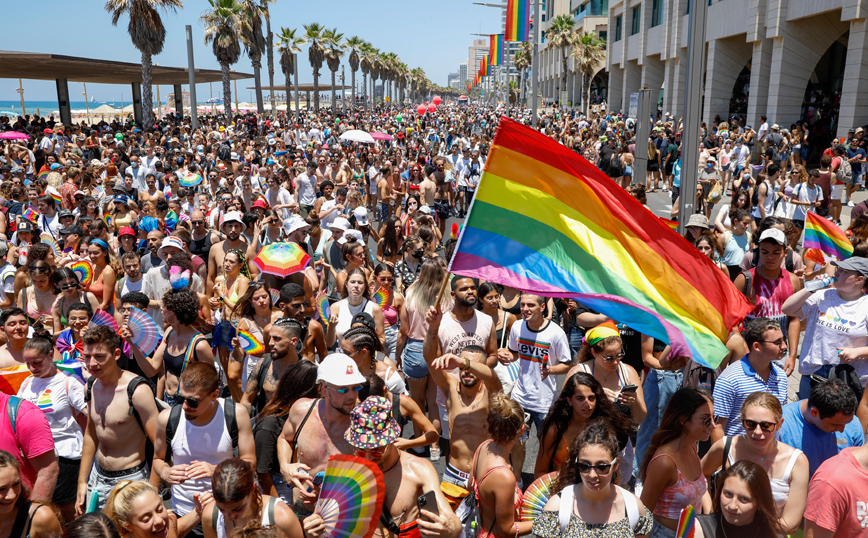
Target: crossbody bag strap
x=566 y=508
x=313 y=406
x=632 y=507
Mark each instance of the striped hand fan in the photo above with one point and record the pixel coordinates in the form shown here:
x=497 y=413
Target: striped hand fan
x=537 y=495
x=101 y=317
x=83 y=269
x=249 y=343
x=46 y=238
x=382 y=297
x=146 y=334
x=351 y=497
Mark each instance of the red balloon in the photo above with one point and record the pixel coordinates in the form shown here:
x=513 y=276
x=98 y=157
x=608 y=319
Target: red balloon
x=420 y=109
x=432 y=107
x=437 y=100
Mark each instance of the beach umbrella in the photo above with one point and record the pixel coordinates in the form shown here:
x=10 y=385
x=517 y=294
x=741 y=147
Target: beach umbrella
x=190 y=180
x=281 y=259
x=381 y=136
x=13 y=135
x=355 y=135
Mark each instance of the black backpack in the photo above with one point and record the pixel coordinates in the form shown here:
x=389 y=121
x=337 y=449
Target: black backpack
x=754 y=200
x=224 y=152
x=228 y=416
x=131 y=389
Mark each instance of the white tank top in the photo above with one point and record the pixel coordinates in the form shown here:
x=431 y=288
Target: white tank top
x=780 y=486
x=210 y=443
x=132 y=286
x=346 y=313
x=267 y=520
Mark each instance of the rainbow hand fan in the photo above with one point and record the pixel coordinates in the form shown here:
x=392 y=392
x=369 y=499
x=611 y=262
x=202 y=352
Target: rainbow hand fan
x=351 y=498
x=383 y=296
x=83 y=270
x=108 y=219
x=249 y=343
x=686 y=523
x=275 y=294
x=46 y=238
x=101 y=317
x=146 y=334
x=537 y=495
x=322 y=308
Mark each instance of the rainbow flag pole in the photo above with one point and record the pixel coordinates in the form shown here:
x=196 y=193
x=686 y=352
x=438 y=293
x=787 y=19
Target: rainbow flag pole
x=546 y=221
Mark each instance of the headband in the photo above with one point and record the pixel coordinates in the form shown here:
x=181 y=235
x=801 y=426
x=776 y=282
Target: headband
x=601 y=332
x=100 y=243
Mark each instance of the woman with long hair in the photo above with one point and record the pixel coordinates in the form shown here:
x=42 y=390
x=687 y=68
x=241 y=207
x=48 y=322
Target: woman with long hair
x=409 y=266
x=23 y=517
x=317 y=236
x=255 y=314
x=355 y=255
x=759 y=445
x=137 y=510
x=238 y=504
x=229 y=287
x=708 y=247
x=38 y=298
x=581 y=401
x=297 y=382
x=389 y=246
x=70 y=293
x=589 y=502
x=92 y=525
x=419 y=298
x=37 y=252
x=743 y=505
x=384 y=279
x=105 y=271
x=672 y=472
x=88 y=207
x=491 y=476
x=723 y=220
x=357 y=301
x=857 y=232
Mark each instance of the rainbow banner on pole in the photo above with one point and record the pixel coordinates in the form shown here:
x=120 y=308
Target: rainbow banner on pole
x=823 y=235
x=546 y=221
x=485 y=66
x=517 y=20
x=495 y=49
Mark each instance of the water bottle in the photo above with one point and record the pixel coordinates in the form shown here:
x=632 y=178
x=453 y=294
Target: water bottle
x=818 y=284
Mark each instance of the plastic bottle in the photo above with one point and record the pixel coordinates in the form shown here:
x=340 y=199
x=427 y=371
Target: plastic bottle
x=818 y=284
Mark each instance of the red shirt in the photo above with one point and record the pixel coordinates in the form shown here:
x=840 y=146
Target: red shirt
x=838 y=496
x=32 y=438
x=67 y=195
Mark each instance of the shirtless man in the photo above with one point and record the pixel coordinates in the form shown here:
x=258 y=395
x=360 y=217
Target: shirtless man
x=153 y=193
x=372 y=434
x=292 y=302
x=314 y=430
x=232 y=227
x=116 y=435
x=443 y=197
x=13 y=327
x=285 y=334
x=322 y=169
x=467 y=408
x=427 y=191
x=385 y=198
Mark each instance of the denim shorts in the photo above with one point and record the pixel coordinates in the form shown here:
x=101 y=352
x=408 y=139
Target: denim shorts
x=413 y=363
x=532 y=417
x=102 y=482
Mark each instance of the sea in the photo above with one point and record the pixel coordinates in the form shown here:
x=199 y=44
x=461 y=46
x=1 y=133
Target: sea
x=45 y=107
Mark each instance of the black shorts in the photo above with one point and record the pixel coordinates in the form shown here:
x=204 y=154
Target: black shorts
x=669 y=167
x=653 y=166
x=67 y=481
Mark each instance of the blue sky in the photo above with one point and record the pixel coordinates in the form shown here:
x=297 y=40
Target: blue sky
x=433 y=36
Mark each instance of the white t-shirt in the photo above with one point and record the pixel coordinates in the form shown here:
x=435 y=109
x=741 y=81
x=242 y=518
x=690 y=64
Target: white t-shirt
x=548 y=346
x=306 y=187
x=50 y=225
x=281 y=197
x=833 y=323
x=806 y=194
x=57 y=396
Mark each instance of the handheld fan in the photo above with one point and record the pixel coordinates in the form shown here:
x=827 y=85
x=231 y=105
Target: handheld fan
x=351 y=498
x=146 y=334
x=275 y=294
x=249 y=343
x=322 y=308
x=83 y=269
x=383 y=296
x=46 y=238
x=537 y=495
x=101 y=317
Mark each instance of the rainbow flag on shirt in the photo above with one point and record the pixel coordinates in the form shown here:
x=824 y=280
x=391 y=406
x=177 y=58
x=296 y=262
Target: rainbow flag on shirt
x=495 y=50
x=517 y=20
x=546 y=221
x=823 y=235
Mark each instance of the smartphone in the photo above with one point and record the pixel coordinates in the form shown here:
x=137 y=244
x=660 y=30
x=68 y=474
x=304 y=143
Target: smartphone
x=428 y=502
x=317 y=481
x=630 y=388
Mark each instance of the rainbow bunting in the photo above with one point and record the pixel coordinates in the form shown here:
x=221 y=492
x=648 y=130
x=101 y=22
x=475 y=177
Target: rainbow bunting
x=517 y=20
x=547 y=221
x=686 y=523
x=30 y=215
x=825 y=236
x=495 y=49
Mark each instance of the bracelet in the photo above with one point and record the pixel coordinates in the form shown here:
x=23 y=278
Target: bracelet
x=516 y=529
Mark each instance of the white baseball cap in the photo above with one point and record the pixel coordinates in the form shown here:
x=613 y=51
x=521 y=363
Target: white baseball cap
x=339 y=369
x=361 y=215
x=170 y=241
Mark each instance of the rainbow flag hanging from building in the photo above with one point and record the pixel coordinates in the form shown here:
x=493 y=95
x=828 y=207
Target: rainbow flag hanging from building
x=495 y=49
x=825 y=236
x=546 y=221
x=517 y=20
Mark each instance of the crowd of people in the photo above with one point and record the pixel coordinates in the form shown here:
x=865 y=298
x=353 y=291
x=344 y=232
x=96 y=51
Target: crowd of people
x=409 y=366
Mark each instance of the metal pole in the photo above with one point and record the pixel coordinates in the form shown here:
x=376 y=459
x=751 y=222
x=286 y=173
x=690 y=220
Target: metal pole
x=192 y=69
x=692 y=113
x=537 y=26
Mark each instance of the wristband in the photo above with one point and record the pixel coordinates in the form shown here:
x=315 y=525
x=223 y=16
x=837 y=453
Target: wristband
x=466 y=365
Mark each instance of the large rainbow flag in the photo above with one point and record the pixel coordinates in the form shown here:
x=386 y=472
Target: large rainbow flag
x=495 y=49
x=545 y=220
x=11 y=378
x=517 y=20
x=823 y=235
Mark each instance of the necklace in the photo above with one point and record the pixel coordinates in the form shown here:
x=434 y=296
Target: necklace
x=40 y=294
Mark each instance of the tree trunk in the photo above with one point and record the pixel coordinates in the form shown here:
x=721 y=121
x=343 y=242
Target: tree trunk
x=365 y=89
x=563 y=80
x=147 y=96
x=287 y=86
x=257 y=81
x=316 y=89
x=227 y=90
x=353 y=92
x=586 y=97
x=270 y=40
x=334 y=100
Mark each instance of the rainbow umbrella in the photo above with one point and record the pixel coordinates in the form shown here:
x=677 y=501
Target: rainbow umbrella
x=281 y=259
x=190 y=180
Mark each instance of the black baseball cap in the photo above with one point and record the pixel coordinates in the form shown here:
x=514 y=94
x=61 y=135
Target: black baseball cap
x=74 y=229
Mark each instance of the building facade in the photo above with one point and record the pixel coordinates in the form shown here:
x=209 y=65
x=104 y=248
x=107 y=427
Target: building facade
x=786 y=59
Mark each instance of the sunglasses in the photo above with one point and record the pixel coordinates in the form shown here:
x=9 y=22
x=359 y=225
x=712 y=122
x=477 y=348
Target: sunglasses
x=68 y=287
x=39 y=270
x=375 y=452
x=619 y=356
x=750 y=425
x=197 y=222
x=601 y=468
x=192 y=402
x=344 y=390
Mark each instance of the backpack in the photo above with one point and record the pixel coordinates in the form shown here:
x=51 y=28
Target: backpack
x=844 y=173
x=228 y=417
x=224 y=152
x=13 y=404
x=11 y=225
x=615 y=165
x=754 y=199
x=261 y=400
x=699 y=377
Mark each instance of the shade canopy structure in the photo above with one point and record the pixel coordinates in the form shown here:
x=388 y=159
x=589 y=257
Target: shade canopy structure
x=305 y=87
x=63 y=69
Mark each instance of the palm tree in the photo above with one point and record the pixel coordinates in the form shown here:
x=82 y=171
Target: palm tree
x=354 y=45
x=403 y=78
x=289 y=45
x=522 y=61
x=389 y=62
x=376 y=66
x=269 y=44
x=589 y=51
x=313 y=33
x=561 y=36
x=366 y=64
x=254 y=44
x=148 y=35
x=224 y=23
x=334 y=49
